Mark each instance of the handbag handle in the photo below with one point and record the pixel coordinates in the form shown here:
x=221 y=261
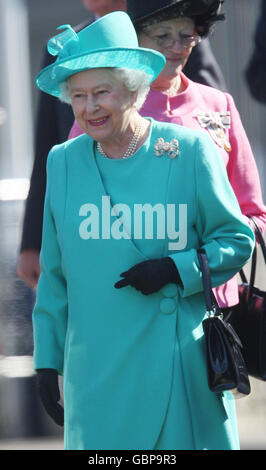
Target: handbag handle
x=254 y=256
x=254 y=260
x=260 y=238
x=211 y=302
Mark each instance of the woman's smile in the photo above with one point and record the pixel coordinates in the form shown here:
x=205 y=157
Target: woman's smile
x=98 y=122
x=177 y=60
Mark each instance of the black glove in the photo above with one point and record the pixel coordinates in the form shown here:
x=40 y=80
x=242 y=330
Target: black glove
x=149 y=276
x=47 y=385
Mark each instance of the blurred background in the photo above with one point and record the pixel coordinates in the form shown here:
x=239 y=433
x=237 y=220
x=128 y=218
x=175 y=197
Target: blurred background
x=25 y=26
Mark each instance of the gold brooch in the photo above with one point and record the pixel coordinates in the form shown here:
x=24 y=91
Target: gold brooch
x=161 y=147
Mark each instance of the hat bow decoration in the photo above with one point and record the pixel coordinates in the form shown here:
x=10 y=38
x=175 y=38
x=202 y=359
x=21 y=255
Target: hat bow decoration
x=64 y=43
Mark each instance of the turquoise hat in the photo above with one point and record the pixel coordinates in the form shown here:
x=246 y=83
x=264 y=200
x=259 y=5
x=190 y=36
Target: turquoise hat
x=111 y=41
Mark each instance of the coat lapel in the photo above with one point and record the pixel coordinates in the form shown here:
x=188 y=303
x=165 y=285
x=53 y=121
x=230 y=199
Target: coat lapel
x=102 y=191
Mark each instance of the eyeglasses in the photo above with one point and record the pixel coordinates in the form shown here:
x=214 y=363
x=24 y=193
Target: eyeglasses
x=167 y=40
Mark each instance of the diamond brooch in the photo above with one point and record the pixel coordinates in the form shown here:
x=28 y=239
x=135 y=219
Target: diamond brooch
x=171 y=148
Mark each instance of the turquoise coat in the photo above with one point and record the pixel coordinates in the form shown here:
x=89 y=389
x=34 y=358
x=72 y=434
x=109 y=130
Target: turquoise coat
x=116 y=347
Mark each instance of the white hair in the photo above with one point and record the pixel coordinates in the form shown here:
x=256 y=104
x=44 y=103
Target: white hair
x=133 y=80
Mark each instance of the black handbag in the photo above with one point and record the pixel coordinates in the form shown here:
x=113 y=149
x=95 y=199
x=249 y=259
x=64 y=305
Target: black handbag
x=226 y=369
x=248 y=317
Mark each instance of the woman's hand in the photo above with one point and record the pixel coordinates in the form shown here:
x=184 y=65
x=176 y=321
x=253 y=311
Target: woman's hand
x=47 y=384
x=150 y=276
x=28 y=267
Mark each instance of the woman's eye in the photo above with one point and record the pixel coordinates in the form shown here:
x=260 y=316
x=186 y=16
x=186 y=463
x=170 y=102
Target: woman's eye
x=78 y=95
x=162 y=36
x=101 y=92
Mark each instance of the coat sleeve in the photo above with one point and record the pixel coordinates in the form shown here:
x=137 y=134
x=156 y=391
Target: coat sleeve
x=242 y=170
x=46 y=135
x=221 y=228
x=50 y=311
x=256 y=69
x=53 y=122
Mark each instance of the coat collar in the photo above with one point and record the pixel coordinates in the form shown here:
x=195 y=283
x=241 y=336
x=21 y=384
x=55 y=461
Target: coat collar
x=181 y=104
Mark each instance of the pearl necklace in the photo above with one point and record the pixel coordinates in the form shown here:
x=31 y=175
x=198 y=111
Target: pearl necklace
x=132 y=145
x=174 y=89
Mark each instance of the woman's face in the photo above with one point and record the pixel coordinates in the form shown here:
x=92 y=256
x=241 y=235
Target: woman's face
x=102 y=105
x=176 y=55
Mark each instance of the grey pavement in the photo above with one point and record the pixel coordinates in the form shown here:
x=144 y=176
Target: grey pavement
x=57 y=444
x=32 y=444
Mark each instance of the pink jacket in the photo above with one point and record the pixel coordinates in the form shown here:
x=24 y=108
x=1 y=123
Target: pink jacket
x=206 y=108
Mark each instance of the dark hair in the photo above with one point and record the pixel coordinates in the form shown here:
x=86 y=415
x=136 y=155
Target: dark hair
x=203 y=21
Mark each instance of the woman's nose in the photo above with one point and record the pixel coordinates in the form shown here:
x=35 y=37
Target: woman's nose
x=91 y=105
x=176 y=46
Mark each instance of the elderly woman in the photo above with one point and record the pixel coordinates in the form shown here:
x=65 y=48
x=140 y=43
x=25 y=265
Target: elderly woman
x=174 y=28
x=120 y=305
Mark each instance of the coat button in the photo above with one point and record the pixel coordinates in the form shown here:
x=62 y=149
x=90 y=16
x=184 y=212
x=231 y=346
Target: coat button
x=167 y=306
x=170 y=290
